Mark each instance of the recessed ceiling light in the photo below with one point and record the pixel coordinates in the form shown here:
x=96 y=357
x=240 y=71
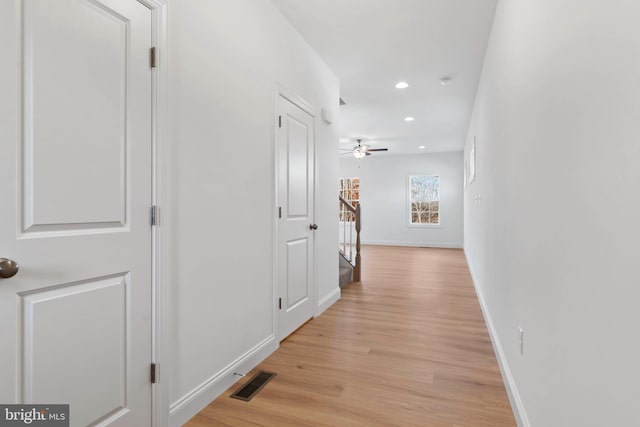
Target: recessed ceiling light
x=402 y=85
x=422 y=147
x=409 y=119
x=446 y=81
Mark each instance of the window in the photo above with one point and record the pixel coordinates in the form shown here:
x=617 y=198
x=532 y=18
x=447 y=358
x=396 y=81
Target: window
x=349 y=191
x=424 y=198
x=472 y=161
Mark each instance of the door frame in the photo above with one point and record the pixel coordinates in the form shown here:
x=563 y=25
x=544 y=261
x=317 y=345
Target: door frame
x=160 y=197
x=282 y=91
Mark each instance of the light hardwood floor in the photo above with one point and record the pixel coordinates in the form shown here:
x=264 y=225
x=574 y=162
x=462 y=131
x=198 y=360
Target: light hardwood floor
x=405 y=347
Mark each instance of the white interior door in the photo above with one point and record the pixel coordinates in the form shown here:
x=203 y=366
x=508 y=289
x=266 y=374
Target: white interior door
x=75 y=167
x=296 y=184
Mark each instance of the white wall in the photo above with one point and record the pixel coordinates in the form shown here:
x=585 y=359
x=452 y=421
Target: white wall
x=226 y=58
x=553 y=243
x=383 y=195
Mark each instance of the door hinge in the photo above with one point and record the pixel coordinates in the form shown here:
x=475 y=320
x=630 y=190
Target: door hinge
x=154 y=373
x=279 y=212
x=280 y=303
x=153 y=57
x=279 y=121
x=154 y=215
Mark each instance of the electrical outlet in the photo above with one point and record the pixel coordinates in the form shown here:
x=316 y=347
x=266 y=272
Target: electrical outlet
x=521 y=340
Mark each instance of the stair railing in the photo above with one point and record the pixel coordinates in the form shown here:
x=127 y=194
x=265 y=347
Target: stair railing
x=350 y=222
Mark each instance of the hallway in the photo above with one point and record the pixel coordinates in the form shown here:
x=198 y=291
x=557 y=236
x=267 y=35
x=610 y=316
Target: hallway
x=406 y=347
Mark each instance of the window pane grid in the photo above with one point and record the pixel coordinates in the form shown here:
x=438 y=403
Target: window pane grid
x=424 y=198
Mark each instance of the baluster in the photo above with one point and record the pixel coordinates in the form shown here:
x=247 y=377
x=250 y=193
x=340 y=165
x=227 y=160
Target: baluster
x=351 y=221
x=357 y=268
x=344 y=229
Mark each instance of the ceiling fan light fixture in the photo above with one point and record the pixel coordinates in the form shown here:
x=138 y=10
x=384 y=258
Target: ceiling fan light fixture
x=359 y=152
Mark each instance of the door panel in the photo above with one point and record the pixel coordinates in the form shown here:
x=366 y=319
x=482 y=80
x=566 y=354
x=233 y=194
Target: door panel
x=91 y=323
x=298 y=139
x=76 y=167
x=297 y=272
x=296 y=151
x=92 y=187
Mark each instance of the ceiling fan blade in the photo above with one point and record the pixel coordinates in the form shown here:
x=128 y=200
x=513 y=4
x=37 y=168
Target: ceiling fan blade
x=345 y=154
x=377 y=149
x=367 y=153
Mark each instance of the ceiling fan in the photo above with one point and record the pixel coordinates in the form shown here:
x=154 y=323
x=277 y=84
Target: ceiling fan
x=359 y=151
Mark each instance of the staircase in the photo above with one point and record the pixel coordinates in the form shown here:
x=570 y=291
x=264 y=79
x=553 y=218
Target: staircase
x=349 y=245
x=346 y=273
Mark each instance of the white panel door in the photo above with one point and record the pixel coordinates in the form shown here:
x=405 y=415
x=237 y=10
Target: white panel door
x=295 y=177
x=76 y=173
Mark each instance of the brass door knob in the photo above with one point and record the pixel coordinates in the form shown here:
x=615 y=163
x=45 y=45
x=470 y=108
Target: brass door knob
x=8 y=268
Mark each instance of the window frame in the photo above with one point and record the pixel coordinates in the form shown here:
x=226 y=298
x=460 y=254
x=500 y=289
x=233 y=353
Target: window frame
x=472 y=161
x=409 y=213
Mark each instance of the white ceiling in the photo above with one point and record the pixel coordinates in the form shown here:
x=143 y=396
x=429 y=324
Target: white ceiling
x=373 y=44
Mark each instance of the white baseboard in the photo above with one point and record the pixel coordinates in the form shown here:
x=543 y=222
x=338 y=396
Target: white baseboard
x=194 y=401
x=412 y=244
x=327 y=301
x=512 y=390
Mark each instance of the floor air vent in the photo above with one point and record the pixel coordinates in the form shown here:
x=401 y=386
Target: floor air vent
x=253 y=386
